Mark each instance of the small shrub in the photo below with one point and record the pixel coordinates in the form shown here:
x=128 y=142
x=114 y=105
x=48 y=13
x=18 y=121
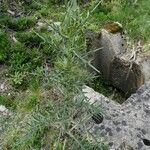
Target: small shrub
x=3 y=6
x=34 y=6
x=4 y=47
x=4 y=20
x=7 y=101
x=18 y=24
x=24 y=59
x=44 y=11
x=22 y=63
x=30 y=39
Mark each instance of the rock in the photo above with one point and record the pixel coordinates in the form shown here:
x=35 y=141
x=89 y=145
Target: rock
x=3 y=87
x=124 y=126
x=125 y=75
x=3 y=108
x=112 y=45
x=48 y=25
x=128 y=75
x=125 y=69
x=11 y=12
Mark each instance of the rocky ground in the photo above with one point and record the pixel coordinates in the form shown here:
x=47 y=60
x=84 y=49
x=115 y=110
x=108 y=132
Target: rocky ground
x=125 y=126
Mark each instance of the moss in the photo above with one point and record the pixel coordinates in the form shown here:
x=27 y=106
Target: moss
x=113 y=27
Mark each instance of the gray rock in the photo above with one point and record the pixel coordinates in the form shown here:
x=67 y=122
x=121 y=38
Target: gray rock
x=48 y=25
x=125 y=75
x=4 y=111
x=126 y=126
x=3 y=108
x=111 y=47
x=125 y=69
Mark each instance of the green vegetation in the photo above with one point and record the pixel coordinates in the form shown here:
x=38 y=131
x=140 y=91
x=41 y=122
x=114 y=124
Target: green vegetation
x=46 y=70
x=18 y=24
x=4 y=46
x=133 y=15
x=102 y=86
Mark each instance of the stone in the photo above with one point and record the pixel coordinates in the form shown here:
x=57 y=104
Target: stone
x=112 y=44
x=124 y=69
x=48 y=25
x=125 y=78
x=130 y=128
x=4 y=111
x=3 y=108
